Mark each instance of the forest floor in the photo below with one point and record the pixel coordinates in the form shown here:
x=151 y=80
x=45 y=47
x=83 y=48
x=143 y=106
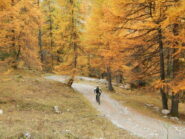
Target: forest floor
x=127 y=118
x=28 y=101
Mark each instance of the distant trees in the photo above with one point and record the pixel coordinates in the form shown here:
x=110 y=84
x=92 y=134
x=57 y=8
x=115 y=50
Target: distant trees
x=40 y=42
x=51 y=24
x=105 y=44
x=18 y=32
x=73 y=26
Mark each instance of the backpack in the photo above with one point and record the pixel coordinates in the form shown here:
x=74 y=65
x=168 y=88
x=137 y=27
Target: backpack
x=97 y=90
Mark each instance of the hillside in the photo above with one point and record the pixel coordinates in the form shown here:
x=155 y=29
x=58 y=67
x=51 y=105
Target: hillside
x=28 y=100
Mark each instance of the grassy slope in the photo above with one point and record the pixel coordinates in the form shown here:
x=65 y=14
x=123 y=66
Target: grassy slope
x=28 y=100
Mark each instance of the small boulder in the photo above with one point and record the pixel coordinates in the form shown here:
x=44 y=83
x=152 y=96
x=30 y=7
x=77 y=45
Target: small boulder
x=165 y=111
x=56 y=109
x=103 y=81
x=165 y=116
x=1 y=112
x=121 y=86
x=27 y=135
x=149 y=105
x=174 y=118
x=126 y=86
x=156 y=108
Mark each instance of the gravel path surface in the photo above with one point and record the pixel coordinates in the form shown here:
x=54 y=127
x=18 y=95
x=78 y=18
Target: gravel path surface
x=126 y=118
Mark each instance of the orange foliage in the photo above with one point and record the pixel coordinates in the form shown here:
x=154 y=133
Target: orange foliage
x=18 y=37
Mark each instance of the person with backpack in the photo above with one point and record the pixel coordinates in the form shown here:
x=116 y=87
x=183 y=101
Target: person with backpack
x=98 y=92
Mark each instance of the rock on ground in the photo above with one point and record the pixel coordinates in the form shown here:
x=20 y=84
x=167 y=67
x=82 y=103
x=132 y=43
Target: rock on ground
x=174 y=118
x=56 y=109
x=1 y=111
x=126 y=86
x=165 y=111
x=27 y=135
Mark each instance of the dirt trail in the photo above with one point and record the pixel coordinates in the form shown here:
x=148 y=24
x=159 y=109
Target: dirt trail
x=127 y=119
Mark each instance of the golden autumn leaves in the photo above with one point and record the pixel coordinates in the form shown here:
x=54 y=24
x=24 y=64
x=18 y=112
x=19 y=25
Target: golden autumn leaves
x=19 y=23
x=142 y=38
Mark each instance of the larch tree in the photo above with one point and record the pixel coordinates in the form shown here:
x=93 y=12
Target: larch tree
x=170 y=42
x=40 y=42
x=158 y=33
x=51 y=13
x=144 y=20
x=174 y=32
x=20 y=22
x=106 y=45
x=73 y=23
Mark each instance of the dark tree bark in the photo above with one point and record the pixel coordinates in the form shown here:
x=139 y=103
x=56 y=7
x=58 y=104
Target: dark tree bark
x=175 y=97
x=75 y=55
x=162 y=70
x=40 y=45
x=119 y=77
x=175 y=105
x=175 y=68
x=161 y=55
x=51 y=34
x=13 y=31
x=18 y=53
x=109 y=79
x=73 y=43
x=89 y=65
x=70 y=82
x=40 y=38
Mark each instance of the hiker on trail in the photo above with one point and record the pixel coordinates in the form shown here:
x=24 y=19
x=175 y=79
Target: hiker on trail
x=98 y=92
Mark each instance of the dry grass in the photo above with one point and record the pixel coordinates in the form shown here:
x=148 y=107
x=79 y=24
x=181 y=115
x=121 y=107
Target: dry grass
x=28 y=100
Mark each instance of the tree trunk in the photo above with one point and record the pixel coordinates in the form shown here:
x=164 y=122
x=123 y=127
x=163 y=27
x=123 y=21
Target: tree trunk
x=73 y=43
x=119 y=78
x=18 y=53
x=175 y=105
x=40 y=38
x=162 y=70
x=40 y=45
x=109 y=79
x=74 y=37
x=164 y=99
x=75 y=55
x=175 y=67
x=51 y=34
x=89 y=65
x=70 y=82
x=13 y=31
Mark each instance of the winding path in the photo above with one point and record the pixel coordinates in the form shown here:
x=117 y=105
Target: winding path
x=127 y=119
